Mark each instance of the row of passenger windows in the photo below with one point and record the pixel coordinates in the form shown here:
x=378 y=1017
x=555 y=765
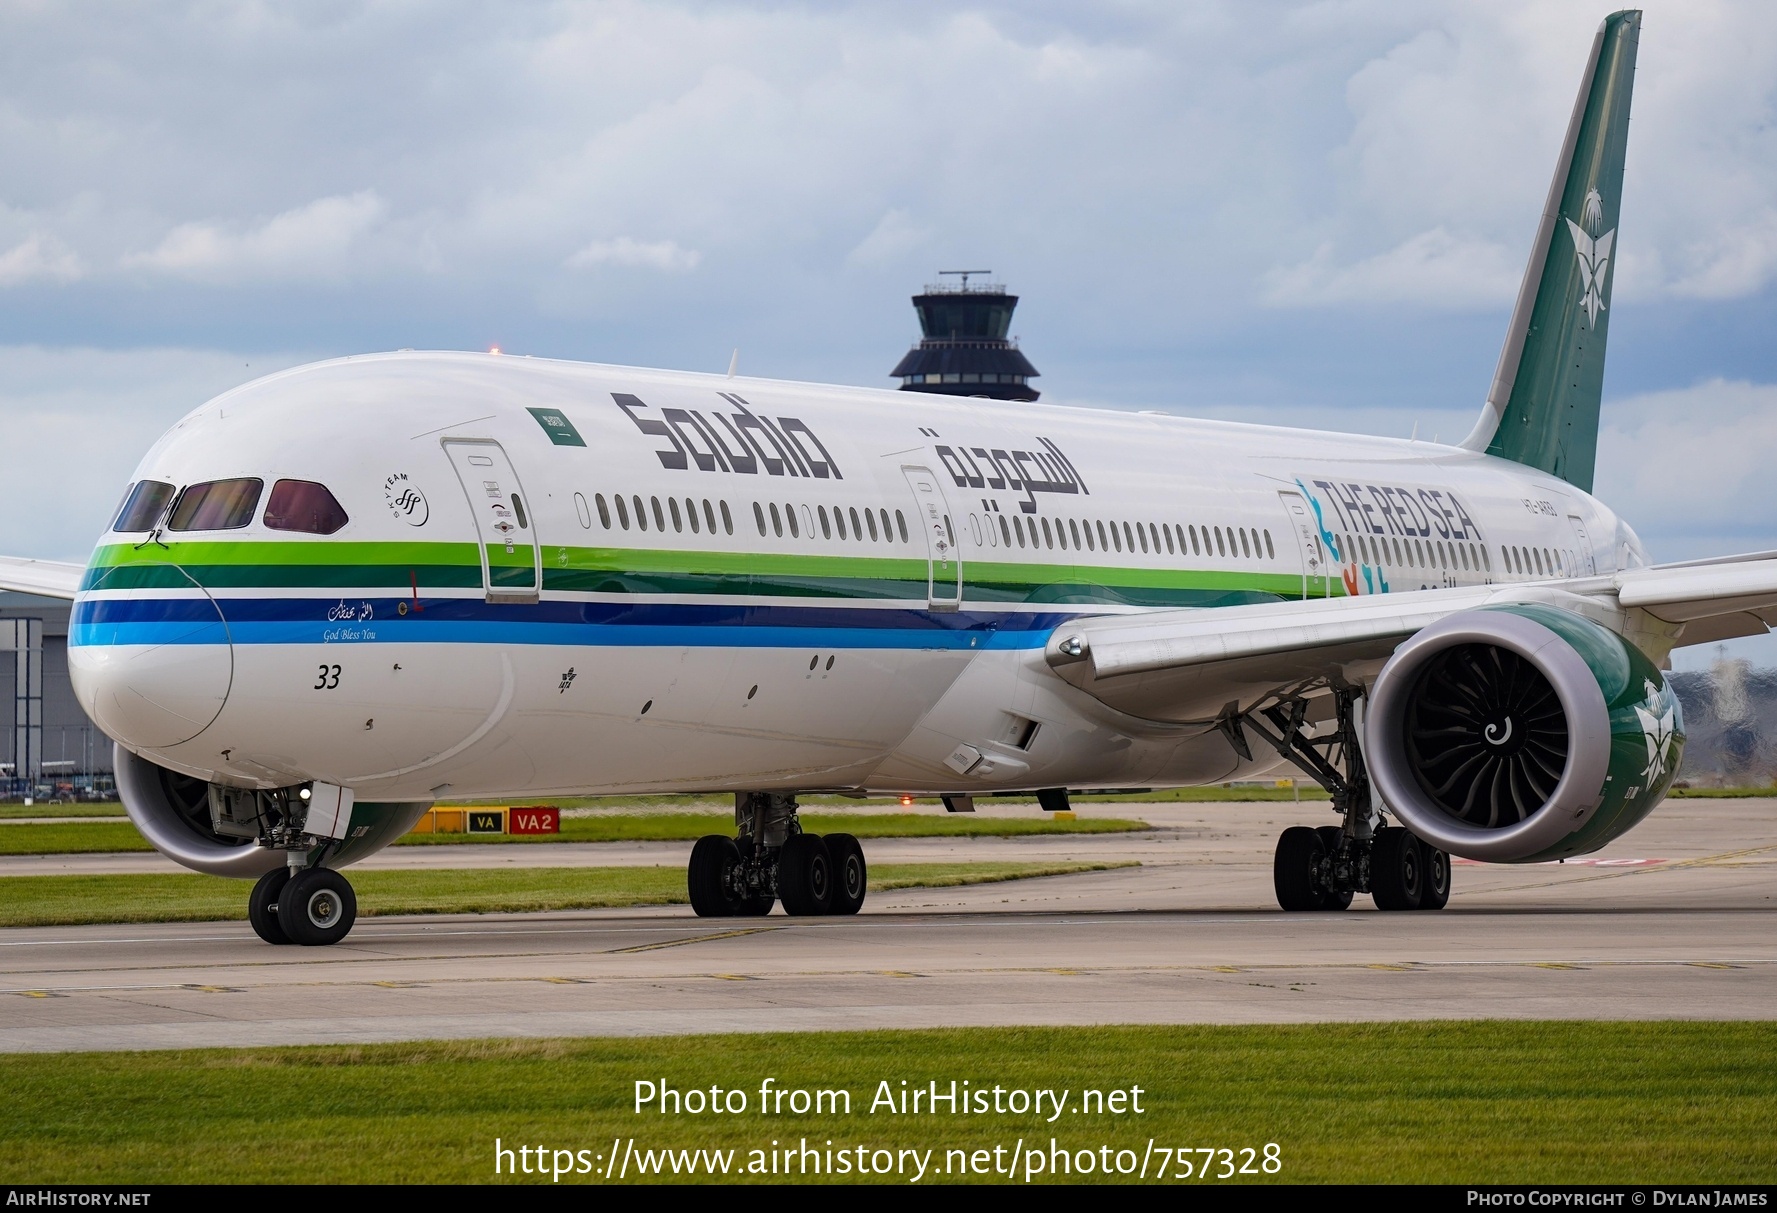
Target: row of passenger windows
x=1096 y=535
x=1547 y=562
x=227 y=505
x=1418 y=553
x=768 y=517
x=1470 y=557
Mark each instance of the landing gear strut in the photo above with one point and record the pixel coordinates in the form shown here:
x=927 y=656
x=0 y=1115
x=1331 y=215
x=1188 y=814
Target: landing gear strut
x=1321 y=869
x=773 y=860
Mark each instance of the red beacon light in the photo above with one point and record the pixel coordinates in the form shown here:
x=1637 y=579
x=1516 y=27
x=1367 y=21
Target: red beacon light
x=906 y=802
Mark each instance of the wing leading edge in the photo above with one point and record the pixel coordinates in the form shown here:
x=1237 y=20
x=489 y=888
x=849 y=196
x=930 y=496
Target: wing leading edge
x=48 y=578
x=1187 y=665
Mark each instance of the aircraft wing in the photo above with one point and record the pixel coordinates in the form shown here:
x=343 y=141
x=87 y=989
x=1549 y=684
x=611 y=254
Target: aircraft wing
x=1186 y=665
x=49 y=578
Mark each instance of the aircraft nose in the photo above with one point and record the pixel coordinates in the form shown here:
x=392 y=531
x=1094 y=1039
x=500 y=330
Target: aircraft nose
x=150 y=655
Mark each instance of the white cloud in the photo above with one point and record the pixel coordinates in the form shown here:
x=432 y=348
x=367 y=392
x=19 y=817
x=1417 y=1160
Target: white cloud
x=310 y=241
x=893 y=238
x=78 y=420
x=1433 y=268
x=36 y=258
x=664 y=255
x=1690 y=468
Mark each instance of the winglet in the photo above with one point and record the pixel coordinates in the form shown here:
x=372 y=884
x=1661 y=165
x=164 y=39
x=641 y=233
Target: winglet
x=1542 y=409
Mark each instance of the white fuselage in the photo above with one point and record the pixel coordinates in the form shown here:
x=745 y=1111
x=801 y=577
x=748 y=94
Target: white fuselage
x=449 y=641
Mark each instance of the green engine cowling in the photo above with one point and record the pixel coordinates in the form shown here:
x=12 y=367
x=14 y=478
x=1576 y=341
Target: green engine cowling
x=1520 y=734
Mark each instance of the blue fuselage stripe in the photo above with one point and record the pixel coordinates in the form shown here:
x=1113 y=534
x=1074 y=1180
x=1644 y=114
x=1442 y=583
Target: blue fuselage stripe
x=259 y=621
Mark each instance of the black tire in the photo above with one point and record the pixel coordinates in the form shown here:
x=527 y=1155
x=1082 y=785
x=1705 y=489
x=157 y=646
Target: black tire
x=317 y=907
x=1330 y=838
x=1436 y=892
x=1299 y=852
x=1397 y=870
x=851 y=875
x=804 y=875
x=706 y=876
x=262 y=906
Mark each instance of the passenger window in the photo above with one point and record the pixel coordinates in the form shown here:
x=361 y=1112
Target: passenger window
x=777 y=521
x=901 y=526
x=641 y=514
x=759 y=517
x=790 y=517
x=303 y=505
x=1142 y=534
x=1221 y=548
x=1128 y=540
x=1018 y=529
x=659 y=514
x=727 y=520
x=888 y=533
x=580 y=508
x=691 y=517
x=1048 y=539
x=524 y=524
x=622 y=510
x=678 y=521
x=1167 y=531
x=1005 y=530
x=216 y=505
x=1270 y=552
x=857 y=528
x=598 y=499
x=826 y=526
x=1246 y=548
x=870 y=520
x=709 y=515
x=143 y=507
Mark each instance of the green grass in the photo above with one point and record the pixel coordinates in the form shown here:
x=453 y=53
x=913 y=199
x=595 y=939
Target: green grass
x=36 y=901
x=100 y=809
x=87 y=837
x=71 y=838
x=1471 y=1102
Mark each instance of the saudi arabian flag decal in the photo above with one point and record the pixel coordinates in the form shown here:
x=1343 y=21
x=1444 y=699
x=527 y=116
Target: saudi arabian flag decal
x=555 y=423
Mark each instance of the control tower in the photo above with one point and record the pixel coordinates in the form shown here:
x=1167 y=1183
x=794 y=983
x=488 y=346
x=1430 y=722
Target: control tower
x=963 y=350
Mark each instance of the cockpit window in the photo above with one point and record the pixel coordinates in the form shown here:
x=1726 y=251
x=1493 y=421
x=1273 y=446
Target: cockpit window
x=216 y=505
x=303 y=505
x=143 y=507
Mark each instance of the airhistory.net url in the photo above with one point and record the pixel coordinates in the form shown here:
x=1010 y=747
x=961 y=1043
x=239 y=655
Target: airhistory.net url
x=628 y=1162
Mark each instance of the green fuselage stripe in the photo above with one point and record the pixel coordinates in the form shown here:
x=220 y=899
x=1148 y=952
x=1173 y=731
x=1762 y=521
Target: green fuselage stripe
x=432 y=566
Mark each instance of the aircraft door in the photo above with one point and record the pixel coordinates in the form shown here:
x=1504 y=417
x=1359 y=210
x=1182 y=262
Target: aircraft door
x=944 y=562
x=1588 y=564
x=505 y=524
x=1316 y=570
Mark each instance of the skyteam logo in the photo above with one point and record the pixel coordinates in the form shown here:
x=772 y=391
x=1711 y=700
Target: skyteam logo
x=1594 y=254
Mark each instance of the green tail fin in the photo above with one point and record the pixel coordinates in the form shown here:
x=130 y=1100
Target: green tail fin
x=1542 y=410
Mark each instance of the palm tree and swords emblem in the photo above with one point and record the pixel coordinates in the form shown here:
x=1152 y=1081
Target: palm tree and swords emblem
x=1594 y=254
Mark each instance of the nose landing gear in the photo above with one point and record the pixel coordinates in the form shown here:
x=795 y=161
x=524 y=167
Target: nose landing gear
x=772 y=861
x=1321 y=869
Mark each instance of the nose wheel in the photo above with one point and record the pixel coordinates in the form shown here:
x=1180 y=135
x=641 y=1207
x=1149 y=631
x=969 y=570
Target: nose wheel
x=314 y=907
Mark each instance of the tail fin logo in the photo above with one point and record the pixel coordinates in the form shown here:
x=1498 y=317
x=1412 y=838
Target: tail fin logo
x=1594 y=254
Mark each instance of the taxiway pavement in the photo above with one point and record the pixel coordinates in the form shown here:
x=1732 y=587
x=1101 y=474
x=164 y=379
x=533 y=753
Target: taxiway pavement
x=1675 y=921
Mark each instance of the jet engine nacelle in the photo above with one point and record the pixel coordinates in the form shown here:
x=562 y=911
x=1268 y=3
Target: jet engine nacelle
x=220 y=831
x=1521 y=734
x=175 y=814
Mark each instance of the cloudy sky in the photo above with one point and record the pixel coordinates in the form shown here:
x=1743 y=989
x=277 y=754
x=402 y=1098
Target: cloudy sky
x=1307 y=213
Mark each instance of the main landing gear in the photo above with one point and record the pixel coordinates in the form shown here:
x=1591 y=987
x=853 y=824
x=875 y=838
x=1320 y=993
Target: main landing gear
x=1321 y=869
x=773 y=860
x=314 y=906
